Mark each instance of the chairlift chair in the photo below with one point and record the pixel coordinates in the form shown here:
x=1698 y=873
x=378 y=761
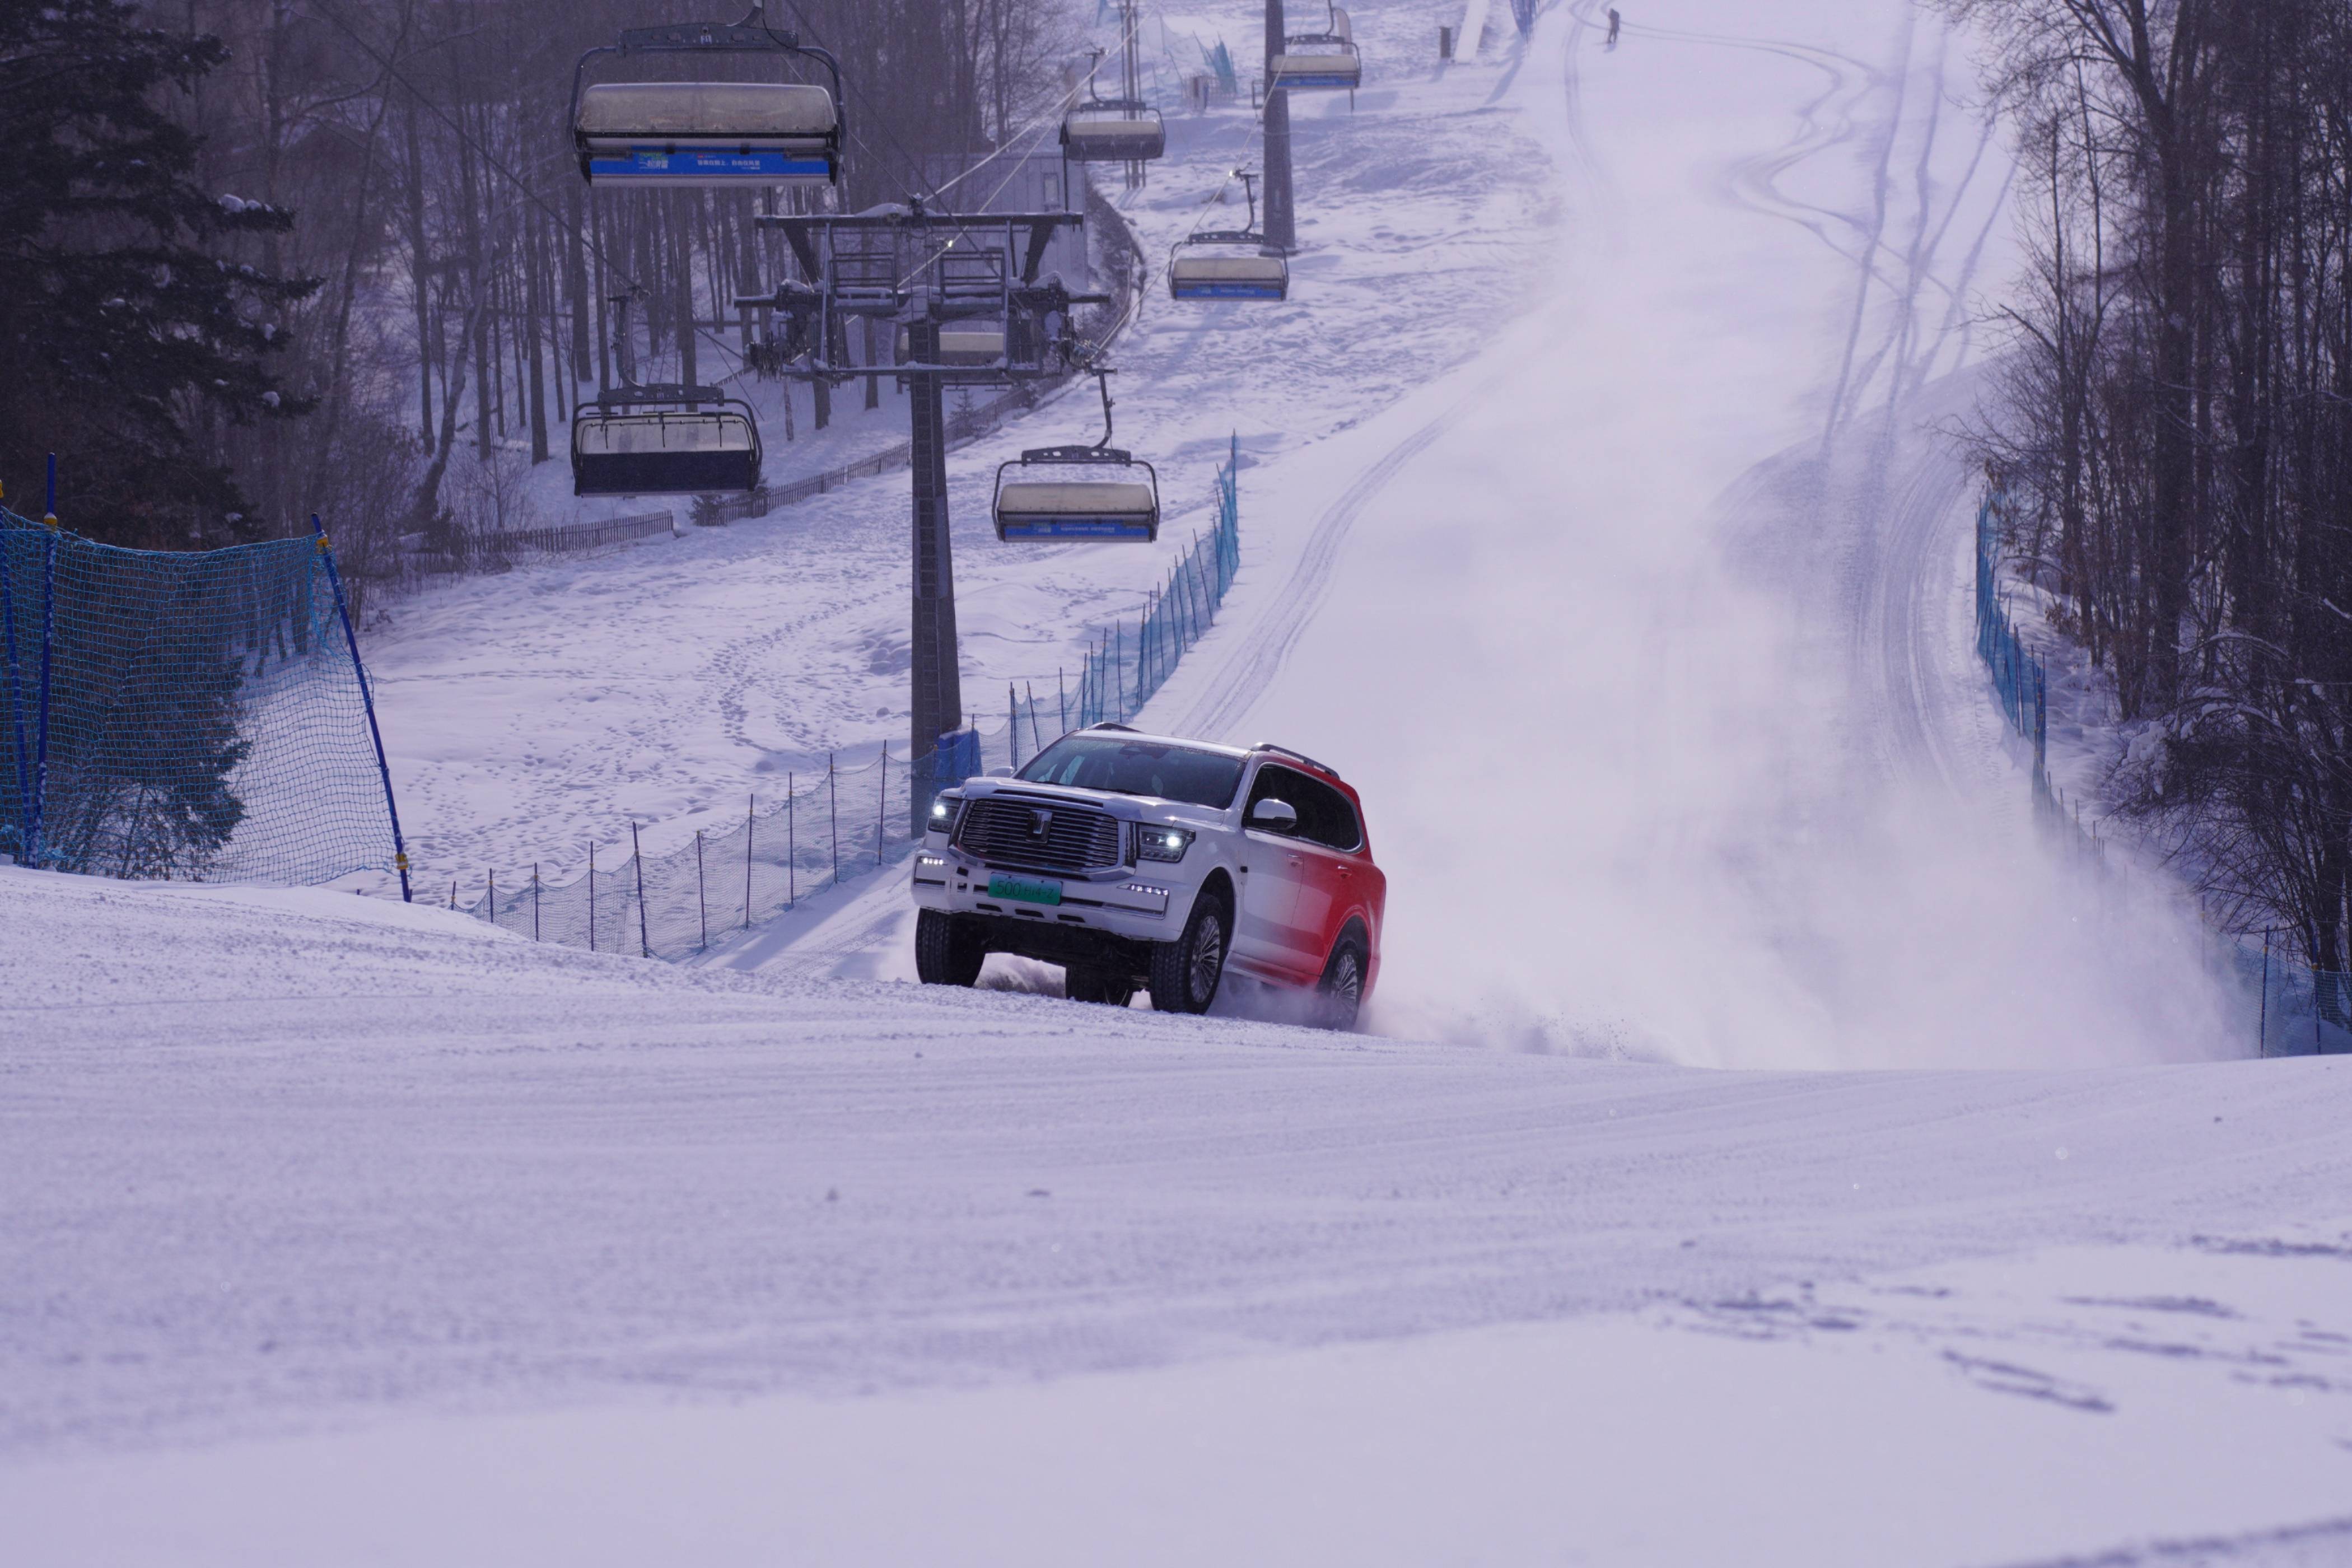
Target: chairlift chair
x=1113 y=130
x=1229 y=263
x=664 y=441
x=1078 y=492
x=1325 y=60
x=704 y=133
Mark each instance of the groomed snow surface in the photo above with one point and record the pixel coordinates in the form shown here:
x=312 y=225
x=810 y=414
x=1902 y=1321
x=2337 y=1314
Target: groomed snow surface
x=1764 y=1155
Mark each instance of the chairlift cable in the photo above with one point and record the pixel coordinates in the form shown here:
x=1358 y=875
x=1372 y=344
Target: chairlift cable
x=1059 y=111
x=1062 y=107
x=496 y=162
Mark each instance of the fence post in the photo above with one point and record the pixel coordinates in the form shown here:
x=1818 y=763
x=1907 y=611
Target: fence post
x=453 y=892
x=1037 y=742
x=882 y=808
x=1011 y=728
x=637 y=854
x=49 y=643
x=1119 y=665
x=367 y=702
x=494 y=898
x=592 y=895
x=832 y=816
x=701 y=894
x=791 y=851
x=534 y=901
x=1062 y=695
x=16 y=705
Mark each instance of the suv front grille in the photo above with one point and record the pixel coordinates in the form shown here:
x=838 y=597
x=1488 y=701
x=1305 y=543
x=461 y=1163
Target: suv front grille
x=1043 y=833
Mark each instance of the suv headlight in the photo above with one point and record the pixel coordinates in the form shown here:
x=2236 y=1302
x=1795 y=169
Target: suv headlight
x=1162 y=843
x=943 y=814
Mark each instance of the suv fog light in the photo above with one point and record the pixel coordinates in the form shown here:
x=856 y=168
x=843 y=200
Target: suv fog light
x=1162 y=843
x=1146 y=891
x=931 y=868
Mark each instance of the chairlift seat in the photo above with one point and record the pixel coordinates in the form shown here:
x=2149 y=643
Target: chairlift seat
x=1107 y=133
x=707 y=133
x=1262 y=276
x=1077 y=492
x=1045 y=508
x=617 y=450
x=1341 y=67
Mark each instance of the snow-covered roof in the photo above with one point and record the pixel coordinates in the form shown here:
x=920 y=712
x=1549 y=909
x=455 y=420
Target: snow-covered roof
x=1255 y=268
x=1065 y=497
x=706 y=108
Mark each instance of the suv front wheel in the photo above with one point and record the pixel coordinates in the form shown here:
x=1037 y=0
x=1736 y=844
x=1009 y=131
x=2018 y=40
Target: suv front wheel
x=947 y=951
x=1185 y=972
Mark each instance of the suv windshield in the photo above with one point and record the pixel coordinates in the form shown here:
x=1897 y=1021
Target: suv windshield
x=1120 y=764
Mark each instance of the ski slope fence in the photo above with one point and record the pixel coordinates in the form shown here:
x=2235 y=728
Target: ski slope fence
x=1125 y=668
x=849 y=819
x=196 y=715
x=2298 y=1010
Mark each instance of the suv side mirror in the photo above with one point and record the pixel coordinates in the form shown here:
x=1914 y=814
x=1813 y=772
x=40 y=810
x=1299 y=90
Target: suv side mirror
x=1275 y=816
x=999 y=772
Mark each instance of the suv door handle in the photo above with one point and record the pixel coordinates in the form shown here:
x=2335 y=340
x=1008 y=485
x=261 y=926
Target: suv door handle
x=1296 y=860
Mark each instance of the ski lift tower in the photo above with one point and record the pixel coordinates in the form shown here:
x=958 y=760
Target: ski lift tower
x=1281 y=224
x=1130 y=28
x=923 y=271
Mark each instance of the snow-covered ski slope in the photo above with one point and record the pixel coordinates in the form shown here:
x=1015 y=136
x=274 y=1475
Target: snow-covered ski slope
x=341 y=1232
x=336 y=1231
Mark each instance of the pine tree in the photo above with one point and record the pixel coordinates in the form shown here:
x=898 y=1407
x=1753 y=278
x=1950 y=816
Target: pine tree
x=130 y=334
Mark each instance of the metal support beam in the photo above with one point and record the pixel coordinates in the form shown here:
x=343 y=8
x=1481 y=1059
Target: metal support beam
x=1281 y=226
x=937 y=686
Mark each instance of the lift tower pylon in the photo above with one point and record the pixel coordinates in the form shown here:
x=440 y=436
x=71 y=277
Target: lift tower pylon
x=1281 y=224
x=920 y=270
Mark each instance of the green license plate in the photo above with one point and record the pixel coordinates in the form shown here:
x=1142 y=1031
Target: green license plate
x=1025 y=889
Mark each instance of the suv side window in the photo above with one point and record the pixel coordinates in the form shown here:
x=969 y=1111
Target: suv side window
x=1277 y=783
x=1332 y=823
x=1324 y=815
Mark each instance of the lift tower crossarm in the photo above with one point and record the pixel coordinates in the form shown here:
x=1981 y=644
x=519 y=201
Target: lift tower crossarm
x=802 y=229
x=920 y=268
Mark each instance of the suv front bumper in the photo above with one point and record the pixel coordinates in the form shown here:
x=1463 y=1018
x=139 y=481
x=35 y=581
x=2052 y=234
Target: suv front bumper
x=1139 y=906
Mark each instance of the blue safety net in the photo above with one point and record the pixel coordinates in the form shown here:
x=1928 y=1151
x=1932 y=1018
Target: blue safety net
x=191 y=715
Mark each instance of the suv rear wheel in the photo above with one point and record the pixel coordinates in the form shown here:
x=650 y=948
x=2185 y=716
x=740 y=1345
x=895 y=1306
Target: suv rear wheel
x=1339 y=995
x=1185 y=972
x=947 y=951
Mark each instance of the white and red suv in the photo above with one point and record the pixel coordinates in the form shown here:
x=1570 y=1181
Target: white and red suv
x=1137 y=860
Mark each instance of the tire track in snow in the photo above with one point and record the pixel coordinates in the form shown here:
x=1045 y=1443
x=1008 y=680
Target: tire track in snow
x=1236 y=687
x=1880 y=193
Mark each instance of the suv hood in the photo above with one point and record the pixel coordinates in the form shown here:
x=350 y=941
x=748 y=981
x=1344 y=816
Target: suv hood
x=1125 y=807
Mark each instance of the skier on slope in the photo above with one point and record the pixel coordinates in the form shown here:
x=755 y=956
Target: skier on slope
x=1613 y=21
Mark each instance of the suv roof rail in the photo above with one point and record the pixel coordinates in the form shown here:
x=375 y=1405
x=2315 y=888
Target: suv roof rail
x=1107 y=724
x=1297 y=756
